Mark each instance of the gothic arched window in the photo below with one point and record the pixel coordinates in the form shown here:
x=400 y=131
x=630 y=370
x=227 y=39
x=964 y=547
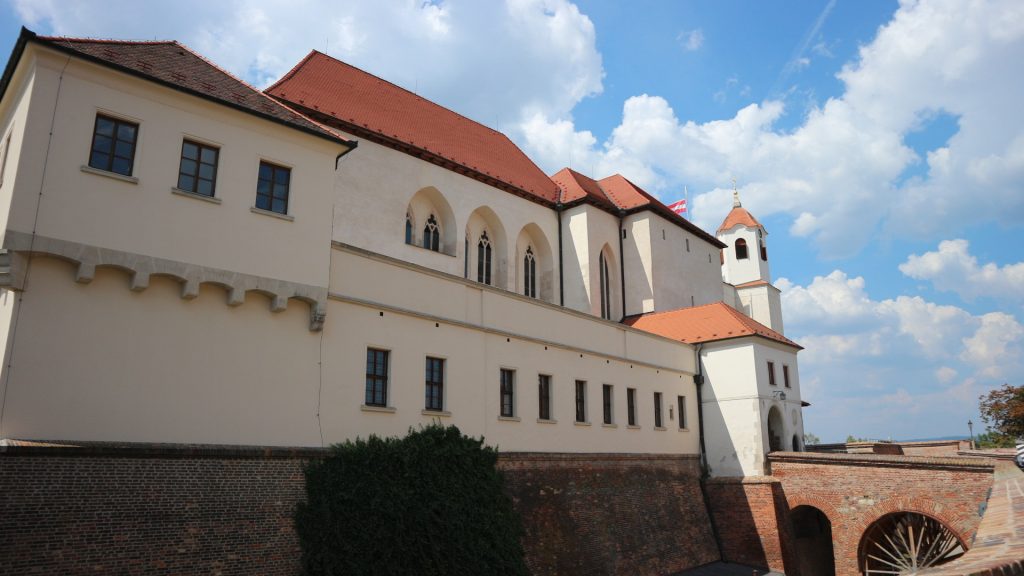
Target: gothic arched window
x=432 y=235
x=741 y=249
x=529 y=273
x=408 y=228
x=483 y=259
x=606 y=294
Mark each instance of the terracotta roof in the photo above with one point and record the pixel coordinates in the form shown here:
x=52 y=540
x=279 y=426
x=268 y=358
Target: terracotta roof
x=738 y=215
x=574 y=186
x=753 y=283
x=708 y=323
x=177 y=66
x=359 y=102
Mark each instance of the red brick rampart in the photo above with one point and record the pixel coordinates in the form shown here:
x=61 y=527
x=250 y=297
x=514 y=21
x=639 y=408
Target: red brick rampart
x=610 y=514
x=855 y=490
x=184 y=510
x=750 y=515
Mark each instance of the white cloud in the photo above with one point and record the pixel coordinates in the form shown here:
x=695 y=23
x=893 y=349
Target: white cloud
x=945 y=374
x=503 y=51
x=952 y=268
x=995 y=348
x=691 y=40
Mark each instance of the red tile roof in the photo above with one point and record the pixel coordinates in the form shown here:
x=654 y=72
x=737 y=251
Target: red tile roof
x=753 y=283
x=363 y=104
x=177 y=66
x=708 y=323
x=574 y=186
x=738 y=215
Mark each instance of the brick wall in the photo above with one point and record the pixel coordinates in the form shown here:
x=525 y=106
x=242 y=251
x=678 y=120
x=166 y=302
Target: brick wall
x=749 y=514
x=610 y=514
x=138 y=509
x=855 y=490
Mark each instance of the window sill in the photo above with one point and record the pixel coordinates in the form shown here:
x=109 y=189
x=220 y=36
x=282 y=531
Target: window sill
x=194 y=196
x=256 y=210
x=114 y=175
x=546 y=421
x=609 y=425
x=509 y=418
x=383 y=409
x=441 y=252
x=581 y=423
x=660 y=428
x=428 y=412
x=633 y=427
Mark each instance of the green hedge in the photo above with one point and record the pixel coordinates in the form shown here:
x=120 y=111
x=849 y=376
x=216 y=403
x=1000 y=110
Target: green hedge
x=427 y=504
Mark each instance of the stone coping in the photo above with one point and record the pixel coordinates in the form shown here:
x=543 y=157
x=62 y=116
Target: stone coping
x=591 y=456
x=999 y=545
x=62 y=448
x=884 y=460
x=743 y=480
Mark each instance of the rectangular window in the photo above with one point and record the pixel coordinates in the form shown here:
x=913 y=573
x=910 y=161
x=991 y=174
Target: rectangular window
x=434 y=379
x=682 y=412
x=631 y=406
x=272 y=188
x=544 y=397
x=771 y=373
x=687 y=244
x=606 y=401
x=657 y=409
x=508 y=382
x=785 y=375
x=376 y=377
x=581 y=401
x=197 y=171
x=113 y=145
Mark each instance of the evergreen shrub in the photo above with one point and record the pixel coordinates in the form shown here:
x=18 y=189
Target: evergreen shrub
x=427 y=504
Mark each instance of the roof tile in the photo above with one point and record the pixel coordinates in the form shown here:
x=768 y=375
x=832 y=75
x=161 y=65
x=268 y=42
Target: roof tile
x=708 y=323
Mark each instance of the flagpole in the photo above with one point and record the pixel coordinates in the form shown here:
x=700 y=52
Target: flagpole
x=689 y=209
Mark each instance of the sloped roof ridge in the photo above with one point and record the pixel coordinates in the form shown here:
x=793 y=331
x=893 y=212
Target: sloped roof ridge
x=575 y=175
x=107 y=40
x=755 y=327
x=378 y=78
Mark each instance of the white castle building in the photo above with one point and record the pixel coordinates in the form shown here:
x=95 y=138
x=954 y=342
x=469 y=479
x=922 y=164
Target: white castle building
x=188 y=259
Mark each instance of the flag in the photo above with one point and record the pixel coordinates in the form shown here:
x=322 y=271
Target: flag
x=678 y=207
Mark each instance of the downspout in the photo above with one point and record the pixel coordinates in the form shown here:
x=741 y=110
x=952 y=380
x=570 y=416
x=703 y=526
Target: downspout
x=622 y=265
x=561 y=278
x=698 y=379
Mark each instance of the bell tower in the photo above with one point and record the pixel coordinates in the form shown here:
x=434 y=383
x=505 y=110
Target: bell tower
x=745 y=265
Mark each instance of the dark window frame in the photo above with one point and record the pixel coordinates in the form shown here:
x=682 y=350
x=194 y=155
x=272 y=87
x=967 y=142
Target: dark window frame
x=607 y=392
x=197 y=175
x=377 y=371
x=742 y=253
x=631 y=406
x=108 y=165
x=605 y=287
x=508 y=384
x=432 y=234
x=484 y=262
x=544 y=396
x=681 y=406
x=408 y=229
x=657 y=410
x=529 y=273
x=785 y=376
x=275 y=193
x=581 y=401
x=433 y=379
x=771 y=374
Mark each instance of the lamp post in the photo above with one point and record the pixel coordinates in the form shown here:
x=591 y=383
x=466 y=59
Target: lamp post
x=970 y=426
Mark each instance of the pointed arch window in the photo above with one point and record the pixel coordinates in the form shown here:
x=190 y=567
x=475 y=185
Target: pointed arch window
x=408 y=228
x=606 y=300
x=741 y=249
x=432 y=235
x=483 y=259
x=465 y=259
x=530 y=273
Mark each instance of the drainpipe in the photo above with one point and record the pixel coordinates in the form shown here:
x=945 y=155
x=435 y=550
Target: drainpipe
x=622 y=265
x=698 y=379
x=561 y=276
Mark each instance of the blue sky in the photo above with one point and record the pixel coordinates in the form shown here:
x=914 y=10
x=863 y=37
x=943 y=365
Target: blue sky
x=881 y=143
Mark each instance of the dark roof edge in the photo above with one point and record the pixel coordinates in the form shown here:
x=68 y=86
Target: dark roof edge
x=27 y=35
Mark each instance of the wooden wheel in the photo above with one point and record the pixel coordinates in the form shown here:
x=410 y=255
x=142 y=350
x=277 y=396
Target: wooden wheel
x=905 y=542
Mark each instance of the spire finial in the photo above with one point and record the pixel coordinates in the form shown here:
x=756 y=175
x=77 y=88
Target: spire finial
x=735 y=195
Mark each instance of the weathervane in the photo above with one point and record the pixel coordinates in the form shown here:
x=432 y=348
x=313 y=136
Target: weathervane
x=735 y=195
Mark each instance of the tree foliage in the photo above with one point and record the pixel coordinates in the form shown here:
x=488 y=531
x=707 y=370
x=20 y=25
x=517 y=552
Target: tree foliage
x=1002 y=410
x=429 y=504
x=811 y=439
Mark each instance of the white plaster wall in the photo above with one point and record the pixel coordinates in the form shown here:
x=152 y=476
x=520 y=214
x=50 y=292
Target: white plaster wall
x=586 y=231
x=732 y=418
x=790 y=408
x=638 y=258
x=682 y=277
x=752 y=268
x=100 y=362
x=146 y=218
x=374 y=186
x=14 y=115
x=762 y=303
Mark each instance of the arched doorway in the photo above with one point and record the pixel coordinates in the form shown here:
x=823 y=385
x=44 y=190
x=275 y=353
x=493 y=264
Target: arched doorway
x=905 y=542
x=775 y=430
x=812 y=533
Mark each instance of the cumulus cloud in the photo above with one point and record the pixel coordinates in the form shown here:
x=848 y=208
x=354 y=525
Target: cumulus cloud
x=952 y=268
x=493 y=62
x=691 y=40
x=843 y=175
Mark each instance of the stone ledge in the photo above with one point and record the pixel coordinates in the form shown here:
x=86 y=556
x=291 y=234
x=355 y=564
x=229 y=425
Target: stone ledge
x=62 y=448
x=882 y=460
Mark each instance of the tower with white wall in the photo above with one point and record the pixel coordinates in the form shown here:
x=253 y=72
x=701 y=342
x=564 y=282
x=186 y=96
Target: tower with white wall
x=745 y=267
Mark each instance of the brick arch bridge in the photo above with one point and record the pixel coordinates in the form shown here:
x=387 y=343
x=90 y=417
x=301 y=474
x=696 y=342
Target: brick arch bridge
x=852 y=491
